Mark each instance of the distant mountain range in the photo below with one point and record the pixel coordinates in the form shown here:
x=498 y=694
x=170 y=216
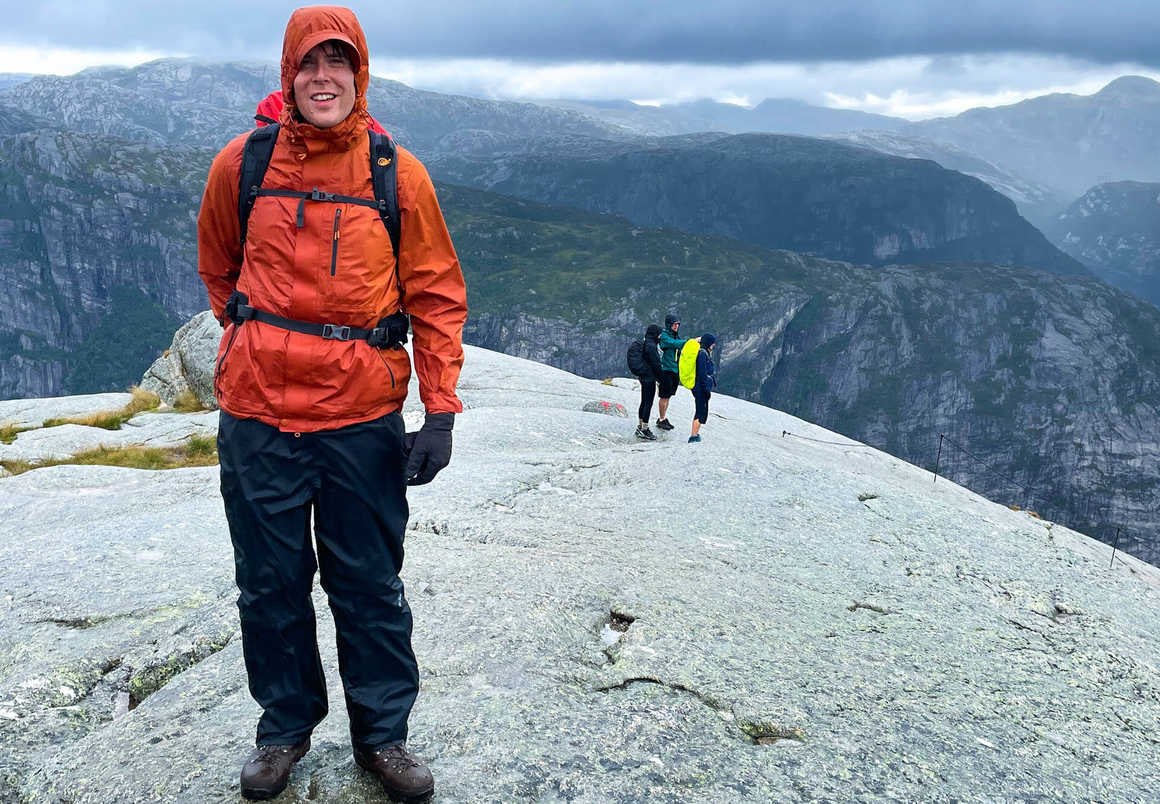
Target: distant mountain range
x=1043 y=152
x=1066 y=142
x=819 y=197
x=185 y=102
x=1114 y=229
x=772 y=115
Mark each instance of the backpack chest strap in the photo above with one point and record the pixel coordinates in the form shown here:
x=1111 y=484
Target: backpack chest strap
x=315 y=195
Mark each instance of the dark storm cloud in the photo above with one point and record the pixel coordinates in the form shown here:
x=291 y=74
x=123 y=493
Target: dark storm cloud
x=716 y=32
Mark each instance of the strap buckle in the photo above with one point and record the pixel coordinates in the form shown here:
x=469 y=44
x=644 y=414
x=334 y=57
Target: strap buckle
x=333 y=332
x=319 y=195
x=238 y=309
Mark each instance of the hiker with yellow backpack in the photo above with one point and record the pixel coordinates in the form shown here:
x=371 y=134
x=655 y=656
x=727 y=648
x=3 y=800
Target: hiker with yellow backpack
x=699 y=375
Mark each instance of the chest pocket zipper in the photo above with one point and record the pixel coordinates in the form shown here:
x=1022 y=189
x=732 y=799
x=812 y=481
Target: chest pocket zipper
x=334 y=242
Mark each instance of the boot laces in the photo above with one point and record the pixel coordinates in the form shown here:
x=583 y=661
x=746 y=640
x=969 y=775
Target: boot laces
x=269 y=754
x=398 y=758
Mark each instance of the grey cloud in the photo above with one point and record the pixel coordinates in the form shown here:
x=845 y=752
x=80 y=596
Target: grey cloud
x=720 y=32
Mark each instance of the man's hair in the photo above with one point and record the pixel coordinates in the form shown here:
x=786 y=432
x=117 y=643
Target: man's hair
x=336 y=47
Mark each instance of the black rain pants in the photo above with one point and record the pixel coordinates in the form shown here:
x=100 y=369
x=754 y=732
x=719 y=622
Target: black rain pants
x=352 y=480
x=648 y=390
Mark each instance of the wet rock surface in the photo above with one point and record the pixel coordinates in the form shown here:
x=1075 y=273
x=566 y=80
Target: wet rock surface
x=754 y=618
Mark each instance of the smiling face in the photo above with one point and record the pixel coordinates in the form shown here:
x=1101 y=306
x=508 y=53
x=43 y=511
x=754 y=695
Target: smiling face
x=324 y=87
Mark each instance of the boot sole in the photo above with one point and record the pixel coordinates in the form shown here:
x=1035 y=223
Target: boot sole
x=396 y=795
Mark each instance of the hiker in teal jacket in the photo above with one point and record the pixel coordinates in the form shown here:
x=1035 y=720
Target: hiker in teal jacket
x=669 y=380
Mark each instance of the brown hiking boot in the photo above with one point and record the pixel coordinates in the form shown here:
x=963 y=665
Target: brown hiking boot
x=267 y=771
x=402 y=775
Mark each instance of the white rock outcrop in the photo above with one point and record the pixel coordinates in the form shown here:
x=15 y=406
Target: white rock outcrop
x=188 y=364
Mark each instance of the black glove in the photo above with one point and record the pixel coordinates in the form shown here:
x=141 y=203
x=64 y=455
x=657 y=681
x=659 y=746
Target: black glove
x=429 y=449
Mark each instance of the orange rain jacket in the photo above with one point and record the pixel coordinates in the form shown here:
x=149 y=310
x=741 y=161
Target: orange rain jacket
x=337 y=269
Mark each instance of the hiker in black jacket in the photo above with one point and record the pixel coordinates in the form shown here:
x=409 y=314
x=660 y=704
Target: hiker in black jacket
x=648 y=382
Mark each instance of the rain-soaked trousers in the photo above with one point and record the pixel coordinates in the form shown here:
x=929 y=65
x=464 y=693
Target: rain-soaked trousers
x=352 y=479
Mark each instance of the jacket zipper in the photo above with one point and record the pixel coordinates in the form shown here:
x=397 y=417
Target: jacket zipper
x=388 y=365
x=218 y=370
x=334 y=243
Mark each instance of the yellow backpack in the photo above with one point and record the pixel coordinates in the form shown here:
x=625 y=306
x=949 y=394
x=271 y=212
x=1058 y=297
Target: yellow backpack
x=687 y=363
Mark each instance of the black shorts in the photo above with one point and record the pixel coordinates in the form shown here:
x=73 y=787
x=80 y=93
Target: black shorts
x=669 y=382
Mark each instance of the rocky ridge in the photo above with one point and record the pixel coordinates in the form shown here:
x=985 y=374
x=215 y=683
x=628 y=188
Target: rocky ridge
x=1114 y=229
x=824 y=623
x=819 y=197
x=1066 y=142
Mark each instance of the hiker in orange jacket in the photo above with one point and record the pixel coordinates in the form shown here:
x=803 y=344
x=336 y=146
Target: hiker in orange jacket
x=311 y=399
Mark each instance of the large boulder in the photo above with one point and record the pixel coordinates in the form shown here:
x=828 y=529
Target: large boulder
x=188 y=364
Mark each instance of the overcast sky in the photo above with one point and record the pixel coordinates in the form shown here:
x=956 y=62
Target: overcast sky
x=913 y=58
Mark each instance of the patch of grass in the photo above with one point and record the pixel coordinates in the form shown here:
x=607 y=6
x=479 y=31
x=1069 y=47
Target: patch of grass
x=8 y=432
x=198 y=451
x=113 y=419
x=187 y=402
x=201 y=447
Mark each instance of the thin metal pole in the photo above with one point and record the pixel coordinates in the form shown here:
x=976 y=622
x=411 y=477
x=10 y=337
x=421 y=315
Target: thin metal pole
x=938 y=458
x=1115 y=544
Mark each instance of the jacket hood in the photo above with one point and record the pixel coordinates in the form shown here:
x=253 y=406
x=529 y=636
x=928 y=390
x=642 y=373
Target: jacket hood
x=653 y=332
x=312 y=26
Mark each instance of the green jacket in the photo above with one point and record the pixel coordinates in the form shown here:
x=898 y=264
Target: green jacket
x=669 y=348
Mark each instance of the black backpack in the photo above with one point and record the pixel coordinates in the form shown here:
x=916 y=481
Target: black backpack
x=256 y=159
x=636 y=362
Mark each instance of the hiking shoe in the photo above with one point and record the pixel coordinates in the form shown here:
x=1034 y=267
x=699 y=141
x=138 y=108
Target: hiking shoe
x=695 y=439
x=645 y=434
x=664 y=424
x=267 y=771
x=402 y=775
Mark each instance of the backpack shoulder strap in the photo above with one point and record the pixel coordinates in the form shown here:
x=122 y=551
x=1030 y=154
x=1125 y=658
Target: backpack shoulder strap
x=255 y=159
x=384 y=178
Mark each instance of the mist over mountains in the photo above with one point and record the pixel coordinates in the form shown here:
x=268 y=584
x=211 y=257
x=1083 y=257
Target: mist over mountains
x=574 y=233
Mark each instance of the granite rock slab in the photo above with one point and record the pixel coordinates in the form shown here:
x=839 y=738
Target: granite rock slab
x=758 y=617
x=150 y=429
x=34 y=412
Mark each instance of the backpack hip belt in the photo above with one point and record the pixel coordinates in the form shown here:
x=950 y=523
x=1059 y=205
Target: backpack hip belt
x=390 y=333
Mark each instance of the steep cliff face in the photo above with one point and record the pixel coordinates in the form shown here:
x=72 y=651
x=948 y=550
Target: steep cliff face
x=814 y=196
x=1114 y=229
x=1051 y=385
x=93 y=231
